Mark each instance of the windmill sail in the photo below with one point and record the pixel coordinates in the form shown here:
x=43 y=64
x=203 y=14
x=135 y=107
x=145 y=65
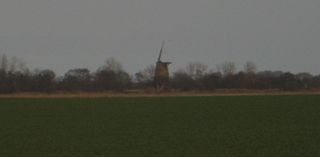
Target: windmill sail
x=161 y=51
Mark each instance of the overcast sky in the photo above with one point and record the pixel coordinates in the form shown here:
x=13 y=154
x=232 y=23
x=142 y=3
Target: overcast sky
x=64 y=34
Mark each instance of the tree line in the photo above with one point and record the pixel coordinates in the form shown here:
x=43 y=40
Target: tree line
x=16 y=77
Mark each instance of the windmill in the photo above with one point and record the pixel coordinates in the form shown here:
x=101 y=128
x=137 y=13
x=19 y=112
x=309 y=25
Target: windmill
x=161 y=77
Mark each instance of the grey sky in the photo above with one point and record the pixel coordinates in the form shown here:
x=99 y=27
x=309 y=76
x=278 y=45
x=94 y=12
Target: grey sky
x=65 y=34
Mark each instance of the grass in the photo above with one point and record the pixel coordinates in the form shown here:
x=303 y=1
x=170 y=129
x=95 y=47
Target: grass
x=245 y=126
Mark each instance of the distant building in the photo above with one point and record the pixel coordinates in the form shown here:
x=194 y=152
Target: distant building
x=161 y=78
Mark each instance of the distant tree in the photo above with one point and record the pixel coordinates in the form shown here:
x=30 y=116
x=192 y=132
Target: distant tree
x=3 y=73
x=233 y=81
x=196 y=70
x=145 y=77
x=306 y=79
x=3 y=81
x=227 y=68
x=76 y=80
x=111 y=76
x=268 y=80
x=111 y=80
x=4 y=63
x=211 y=81
x=111 y=64
x=22 y=66
x=182 y=81
x=44 y=81
x=250 y=67
x=315 y=82
x=18 y=81
x=13 y=64
x=288 y=81
x=250 y=70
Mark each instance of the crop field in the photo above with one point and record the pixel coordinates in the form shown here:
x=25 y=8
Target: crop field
x=225 y=126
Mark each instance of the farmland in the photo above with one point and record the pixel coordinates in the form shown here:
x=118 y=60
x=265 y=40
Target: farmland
x=161 y=126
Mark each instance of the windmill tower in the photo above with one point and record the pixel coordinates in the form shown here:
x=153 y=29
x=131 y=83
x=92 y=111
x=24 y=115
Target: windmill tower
x=161 y=78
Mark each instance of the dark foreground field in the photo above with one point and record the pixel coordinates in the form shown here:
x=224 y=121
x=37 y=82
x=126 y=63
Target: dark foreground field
x=270 y=126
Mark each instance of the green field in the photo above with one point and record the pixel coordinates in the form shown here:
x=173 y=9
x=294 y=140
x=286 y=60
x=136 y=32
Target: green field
x=247 y=126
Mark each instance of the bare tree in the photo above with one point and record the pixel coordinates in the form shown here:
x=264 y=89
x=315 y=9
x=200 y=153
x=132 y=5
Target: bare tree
x=112 y=64
x=182 y=80
x=13 y=64
x=227 y=68
x=196 y=69
x=111 y=76
x=22 y=66
x=4 y=62
x=76 y=80
x=44 y=81
x=146 y=75
x=250 y=67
